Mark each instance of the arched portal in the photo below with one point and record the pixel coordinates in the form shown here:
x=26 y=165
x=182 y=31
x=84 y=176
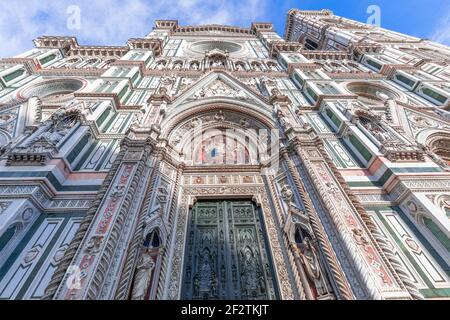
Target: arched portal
x=227 y=250
x=223 y=134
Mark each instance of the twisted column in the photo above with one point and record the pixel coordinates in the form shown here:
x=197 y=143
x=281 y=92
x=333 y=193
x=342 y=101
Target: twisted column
x=386 y=252
x=125 y=281
x=319 y=232
x=165 y=254
x=64 y=264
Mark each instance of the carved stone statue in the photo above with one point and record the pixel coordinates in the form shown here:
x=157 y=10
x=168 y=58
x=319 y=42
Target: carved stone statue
x=194 y=66
x=273 y=67
x=380 y=134
x=217 y=63
x=239 y=67
x=160 y=65
x=287 y=194
x=35 y=106
x=50 y=134
x=311 y=264
x=177 y=66
x=143 y=275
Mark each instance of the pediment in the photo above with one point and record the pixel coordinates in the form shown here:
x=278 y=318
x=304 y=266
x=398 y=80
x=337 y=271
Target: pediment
x=419 y=121
x=220 y=85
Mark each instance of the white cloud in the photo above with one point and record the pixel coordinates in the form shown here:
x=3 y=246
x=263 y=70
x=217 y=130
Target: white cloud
x=106 y=22
x=442 y=32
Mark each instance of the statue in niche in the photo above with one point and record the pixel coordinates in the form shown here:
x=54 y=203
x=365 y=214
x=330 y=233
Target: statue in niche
x=177 y=139
x=194 y=65
x=217 y=63
x=378 y=132
x=240 y=67
x=177 y=66
x=311 y=265
x=287 y=194
x=256 y=67
x=245 y=123
x=219 y=116
x=137 y=121
x=160 y=65
x=143 y=276
x=53 y=131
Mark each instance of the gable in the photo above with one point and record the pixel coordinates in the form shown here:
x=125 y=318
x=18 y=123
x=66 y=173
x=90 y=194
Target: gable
x=219 y=85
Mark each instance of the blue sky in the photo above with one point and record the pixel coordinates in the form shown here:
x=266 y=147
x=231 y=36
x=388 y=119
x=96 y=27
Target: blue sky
x=113 y=22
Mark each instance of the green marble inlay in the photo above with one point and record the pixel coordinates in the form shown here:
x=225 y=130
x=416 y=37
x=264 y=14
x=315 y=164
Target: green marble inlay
x=51 y=178
x=438 y=233
x=436 y=292
x=360 y=147
x=103 y=117
x=6 y=236
x=333 y=118
x=405 y=80
x=13 y=75
x=373 y=64
x=122 y=92
x=433 y=94
x=78 y=148
x=105 y=155
x=47 y=59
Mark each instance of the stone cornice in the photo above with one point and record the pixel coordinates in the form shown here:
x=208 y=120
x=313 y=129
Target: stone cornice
x=322 y=54
x=29 y=64
x=71 y=72
x=213 y=27
x=153 y=44
x=294 y=12
x=276 y=47
x=222 y=168
x=355 y=75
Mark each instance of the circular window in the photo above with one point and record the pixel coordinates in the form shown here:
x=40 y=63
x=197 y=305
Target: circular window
x=57 y=90
x=203 y=46
x=371 y=93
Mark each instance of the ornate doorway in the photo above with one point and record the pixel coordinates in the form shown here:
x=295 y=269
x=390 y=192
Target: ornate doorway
x=226 y=254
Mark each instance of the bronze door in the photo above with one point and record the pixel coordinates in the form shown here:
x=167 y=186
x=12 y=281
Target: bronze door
x=227 y=255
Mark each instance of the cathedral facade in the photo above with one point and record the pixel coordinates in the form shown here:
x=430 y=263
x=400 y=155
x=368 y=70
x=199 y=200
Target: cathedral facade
x=220 y=162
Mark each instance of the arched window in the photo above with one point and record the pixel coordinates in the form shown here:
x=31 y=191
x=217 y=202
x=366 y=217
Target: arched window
x=161 y=64
x=441 y=147
x=256 y=66
x=272 y=66
x=194 y=65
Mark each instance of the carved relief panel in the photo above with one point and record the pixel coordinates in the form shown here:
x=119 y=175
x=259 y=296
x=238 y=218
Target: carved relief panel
x=226 y=253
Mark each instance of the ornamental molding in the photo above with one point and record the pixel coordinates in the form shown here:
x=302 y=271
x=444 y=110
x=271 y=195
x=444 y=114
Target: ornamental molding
x=72 y=48
x=43 y=199
x=173 y=285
